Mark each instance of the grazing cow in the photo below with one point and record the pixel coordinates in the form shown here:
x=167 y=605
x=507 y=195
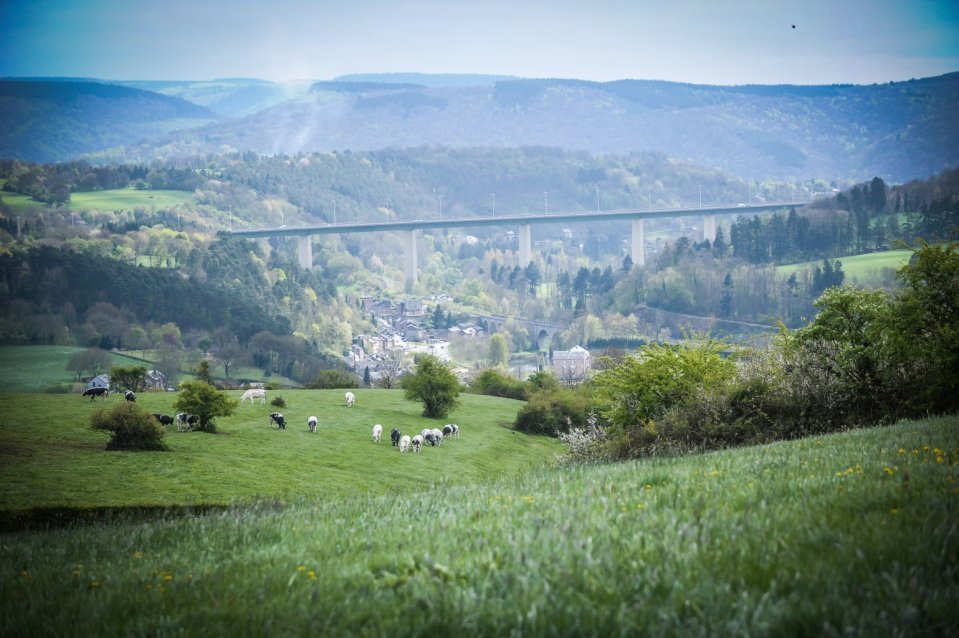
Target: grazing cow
x=350 y=399
x=129 y=396
x=456 y=430
x=417 y=442
x=93 y=393
x=164 y=419
x=424 y=432
x=438 y=436
x=395 y=436
x=185 y=422
x=253 y=395
x=311 y=423
x=377 y=432
x=429 y=438
x=404 y=443
x=277 y=419
x=447 y=430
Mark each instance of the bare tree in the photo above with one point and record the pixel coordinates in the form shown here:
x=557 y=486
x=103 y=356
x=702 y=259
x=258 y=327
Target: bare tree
x=390 y=371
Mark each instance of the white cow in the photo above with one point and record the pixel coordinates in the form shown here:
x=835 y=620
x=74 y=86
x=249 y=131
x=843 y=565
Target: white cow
x=350 y=399
x=311 y=423
x=377 y=432
x=417 y=442
x=404 y=443
x=253 y=395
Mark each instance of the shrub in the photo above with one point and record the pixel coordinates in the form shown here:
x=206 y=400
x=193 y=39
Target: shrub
x=492 y=382
x=133 y=427
x=434 y=384
x=205 y=401
x=278 y=401
x=332 y=379
x=554 y=412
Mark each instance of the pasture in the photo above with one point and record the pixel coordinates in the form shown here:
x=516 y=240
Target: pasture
x=51 y=457
x=854 y=533
x=867 y=269
x=37 y=368
x=127 y=199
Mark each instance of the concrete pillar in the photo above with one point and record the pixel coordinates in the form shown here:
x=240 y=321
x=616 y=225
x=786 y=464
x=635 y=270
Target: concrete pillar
x=525 y=246
x=305 y=252
x=709 y=228
x=411 y=272
x=639 y=242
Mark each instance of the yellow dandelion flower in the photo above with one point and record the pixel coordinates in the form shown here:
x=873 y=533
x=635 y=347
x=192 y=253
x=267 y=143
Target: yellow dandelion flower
x=301 y=568
x=902 y=450
x=648 y=487
x=894 y=511
x=311 y=574
x=888 y=470
x=838 y=474
x=168 y=577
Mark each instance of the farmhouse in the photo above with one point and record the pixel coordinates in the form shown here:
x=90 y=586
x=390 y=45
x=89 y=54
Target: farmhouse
x=99 y=381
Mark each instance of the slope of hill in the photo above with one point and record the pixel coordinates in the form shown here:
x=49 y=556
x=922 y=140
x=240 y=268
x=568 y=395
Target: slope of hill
x=48 y=121
x=898 y=130
x=230 y=97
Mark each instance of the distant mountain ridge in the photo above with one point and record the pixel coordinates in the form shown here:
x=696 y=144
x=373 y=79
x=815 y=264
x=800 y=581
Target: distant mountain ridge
x=47 y=121
x=899 y=130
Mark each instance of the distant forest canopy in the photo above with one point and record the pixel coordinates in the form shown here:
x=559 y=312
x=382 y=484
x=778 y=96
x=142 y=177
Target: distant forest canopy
x=152 y=277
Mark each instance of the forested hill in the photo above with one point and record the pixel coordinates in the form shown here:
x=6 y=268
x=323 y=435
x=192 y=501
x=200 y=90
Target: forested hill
x=900 y=130
x=46 y=121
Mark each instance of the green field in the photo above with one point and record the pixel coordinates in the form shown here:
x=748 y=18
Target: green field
x=850 y=534
x=108 y=200
x=36 y=368
x=51 y=457
x=863 y=269
x=126 y=199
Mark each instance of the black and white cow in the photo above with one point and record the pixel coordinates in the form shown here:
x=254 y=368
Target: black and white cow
x=277 y=419
x=311 y=423
x=93 y=393
x=129 y=396
x=395 y=436
x=164 y=419
x=186 y=422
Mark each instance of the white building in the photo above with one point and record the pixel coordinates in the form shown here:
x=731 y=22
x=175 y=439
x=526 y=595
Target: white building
x=572 y=365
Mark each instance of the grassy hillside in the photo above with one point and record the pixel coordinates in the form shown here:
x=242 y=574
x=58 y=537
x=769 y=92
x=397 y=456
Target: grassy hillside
x=36 y=368
x=127 y=199
x=861 y=269
x=847 y=534
x=51 y=457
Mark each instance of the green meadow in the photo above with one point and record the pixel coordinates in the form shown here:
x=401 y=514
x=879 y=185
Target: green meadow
x=39 y=368
x=331 y=534
x=126 y=199
x=863 y=269
x=107 y=200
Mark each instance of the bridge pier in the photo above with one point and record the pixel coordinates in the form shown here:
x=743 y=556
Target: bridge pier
x=305 y=252
x=410 y=261
x=639 y=242
x=709 y=228
x=525 y=245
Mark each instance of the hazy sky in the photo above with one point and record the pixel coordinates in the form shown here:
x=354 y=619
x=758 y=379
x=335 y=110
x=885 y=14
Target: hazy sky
x=700 y=41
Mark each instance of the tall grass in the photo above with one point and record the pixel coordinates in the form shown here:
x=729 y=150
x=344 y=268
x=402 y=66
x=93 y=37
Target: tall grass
x=853 y=533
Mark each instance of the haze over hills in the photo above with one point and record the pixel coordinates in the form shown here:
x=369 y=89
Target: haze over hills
x=899 y=130
x=51 y=120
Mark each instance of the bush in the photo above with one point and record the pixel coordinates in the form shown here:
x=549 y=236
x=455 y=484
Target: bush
x=554 y=412
x=494 y=383
x=133 y=427
x=205 y=401
x=435 y=385
x=278 y=402
x=332 y=379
